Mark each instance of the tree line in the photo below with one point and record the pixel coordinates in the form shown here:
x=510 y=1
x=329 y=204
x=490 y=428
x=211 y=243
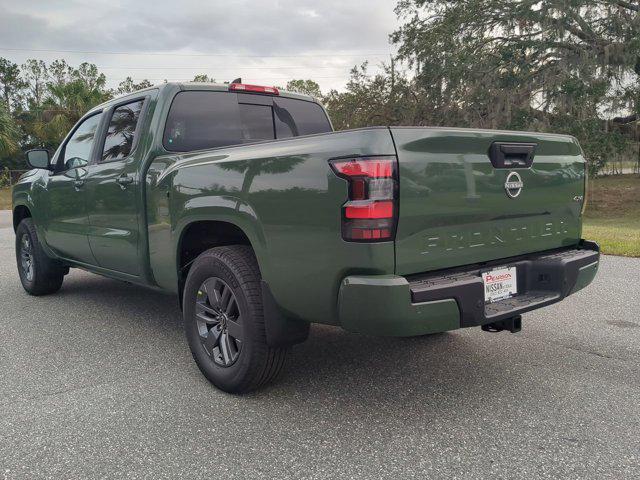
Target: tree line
x=40 y=103
x=564 y=66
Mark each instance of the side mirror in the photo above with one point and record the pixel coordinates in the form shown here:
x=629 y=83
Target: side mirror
x=38 y=158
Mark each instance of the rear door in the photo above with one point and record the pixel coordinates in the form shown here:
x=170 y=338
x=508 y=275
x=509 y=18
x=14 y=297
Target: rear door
x=112 y=186
x=471 y=196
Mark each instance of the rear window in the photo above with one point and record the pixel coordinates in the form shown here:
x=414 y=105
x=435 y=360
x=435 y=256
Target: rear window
x=199 y=120
x=295 y=117
x=256 y=122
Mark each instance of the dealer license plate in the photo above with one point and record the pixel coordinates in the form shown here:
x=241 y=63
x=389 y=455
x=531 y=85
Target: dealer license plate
x=500 y=284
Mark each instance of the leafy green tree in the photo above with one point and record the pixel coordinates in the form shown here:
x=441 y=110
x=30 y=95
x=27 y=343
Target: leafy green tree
x=203 y=78
x=129 y=86
x=306 y=87
x=386 y=98
x=59 y=72
x=556 y=65
x=9 y=133
x=70 y=93
x=36 y=77
x=575 y=56
x=11 y=84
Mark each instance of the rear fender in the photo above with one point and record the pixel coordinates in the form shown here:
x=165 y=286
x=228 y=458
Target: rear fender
x=281 y=330
x=227 y=209
x=166 y=233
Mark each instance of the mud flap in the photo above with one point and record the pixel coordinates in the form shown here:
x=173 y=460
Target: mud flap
x=281 y=331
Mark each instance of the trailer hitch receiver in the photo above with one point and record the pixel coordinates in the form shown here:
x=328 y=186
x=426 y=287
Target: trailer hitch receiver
x=513 y=325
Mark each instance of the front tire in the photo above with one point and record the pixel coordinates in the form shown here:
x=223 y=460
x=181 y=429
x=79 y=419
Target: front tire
x=39 y=274
x=224 y=320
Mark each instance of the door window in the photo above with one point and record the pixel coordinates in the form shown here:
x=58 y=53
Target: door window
x=122 y=131
x=77 y=151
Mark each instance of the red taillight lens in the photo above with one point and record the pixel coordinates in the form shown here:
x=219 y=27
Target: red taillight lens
x=242 y=87
x=371 y=168
x=371 y=212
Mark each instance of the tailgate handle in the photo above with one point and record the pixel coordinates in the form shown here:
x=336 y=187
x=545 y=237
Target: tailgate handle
x=512 y=155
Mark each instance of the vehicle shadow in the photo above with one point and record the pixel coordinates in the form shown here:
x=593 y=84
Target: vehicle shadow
x=331 y=364
x=333 y=360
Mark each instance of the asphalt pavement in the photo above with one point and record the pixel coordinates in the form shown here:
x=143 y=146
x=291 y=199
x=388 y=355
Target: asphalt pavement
x=5 y=218
x=97 y=382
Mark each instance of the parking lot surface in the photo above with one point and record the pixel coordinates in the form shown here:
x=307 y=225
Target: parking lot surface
x=97 y=382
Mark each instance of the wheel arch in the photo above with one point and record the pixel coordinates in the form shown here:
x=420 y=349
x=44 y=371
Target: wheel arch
x=20 y=212
x=199 y=236
x=199 y=233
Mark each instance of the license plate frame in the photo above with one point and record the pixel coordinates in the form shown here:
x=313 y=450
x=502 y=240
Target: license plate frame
x=500 y=283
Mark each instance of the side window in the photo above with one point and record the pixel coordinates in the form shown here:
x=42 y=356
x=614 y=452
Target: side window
x=298 y=117
x=200 y=120
x=121 y=132
x=78 y=148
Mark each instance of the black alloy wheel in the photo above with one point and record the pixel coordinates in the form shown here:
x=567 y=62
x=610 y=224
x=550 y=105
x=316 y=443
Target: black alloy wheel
x=219 y=321
x=225 y=323
x=39 y=274
x=26 y=257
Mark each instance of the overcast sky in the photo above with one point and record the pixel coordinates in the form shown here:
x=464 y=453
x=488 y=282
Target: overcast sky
x=264 y=42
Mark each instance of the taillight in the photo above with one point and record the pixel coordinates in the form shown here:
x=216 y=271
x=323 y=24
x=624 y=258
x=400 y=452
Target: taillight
x=242 y=87
x=371 y=211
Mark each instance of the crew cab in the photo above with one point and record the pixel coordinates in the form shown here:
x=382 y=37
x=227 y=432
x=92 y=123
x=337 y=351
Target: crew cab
x=243 y=202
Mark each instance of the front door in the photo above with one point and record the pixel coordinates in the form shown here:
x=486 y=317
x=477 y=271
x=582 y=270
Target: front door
x=112 y=187
x=66 y=224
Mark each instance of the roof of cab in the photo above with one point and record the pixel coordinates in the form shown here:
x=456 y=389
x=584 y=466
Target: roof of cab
x=216 y=87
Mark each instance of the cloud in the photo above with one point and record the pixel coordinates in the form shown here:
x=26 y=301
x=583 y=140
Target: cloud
x=309 y=32
x=288 y=26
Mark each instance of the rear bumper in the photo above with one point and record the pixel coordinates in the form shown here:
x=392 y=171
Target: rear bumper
x=447 y=300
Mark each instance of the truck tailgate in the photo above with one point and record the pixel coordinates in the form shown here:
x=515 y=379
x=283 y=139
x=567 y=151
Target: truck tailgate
x=457 y=208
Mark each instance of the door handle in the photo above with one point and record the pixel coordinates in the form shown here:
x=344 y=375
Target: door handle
x=124 y=180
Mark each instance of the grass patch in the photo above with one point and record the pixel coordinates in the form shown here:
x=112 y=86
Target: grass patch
x=5 y=199
x=613 y=214
x=614 y=240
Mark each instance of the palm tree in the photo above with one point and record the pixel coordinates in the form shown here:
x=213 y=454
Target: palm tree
x=9 y=134
x=64 y=106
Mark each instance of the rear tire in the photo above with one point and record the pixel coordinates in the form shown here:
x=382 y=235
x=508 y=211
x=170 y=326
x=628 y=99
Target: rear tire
x=224 y=320
x=39 y=274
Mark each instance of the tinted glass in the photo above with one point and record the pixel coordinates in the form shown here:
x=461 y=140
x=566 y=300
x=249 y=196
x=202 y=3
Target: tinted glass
x=121 y=132
x=78 y=148
x=199 y=120
x=257 y=122
x=297 y=117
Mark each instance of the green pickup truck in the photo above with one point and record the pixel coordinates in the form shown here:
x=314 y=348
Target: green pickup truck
x=245 y=203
